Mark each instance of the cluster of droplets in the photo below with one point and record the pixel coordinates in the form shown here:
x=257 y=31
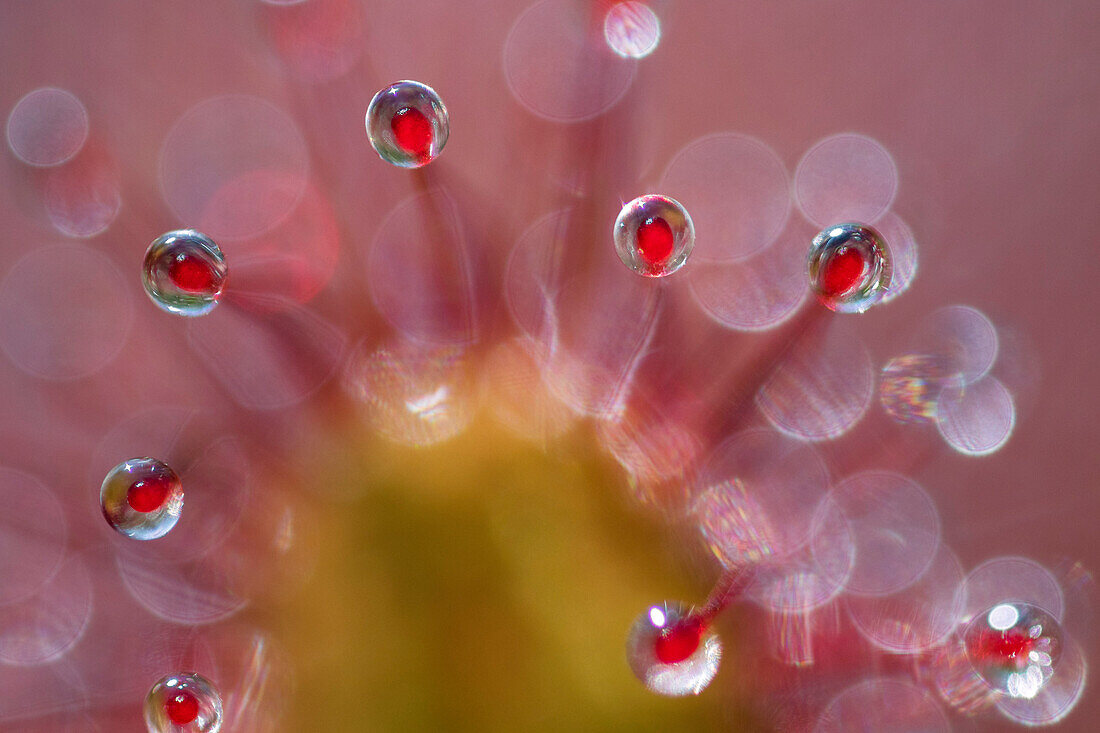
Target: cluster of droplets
x=183 y=703
x=849 y=264
x=1014 y=648
x=670 y=648
x=184 y=272
x=407 y=124
x=142 y=498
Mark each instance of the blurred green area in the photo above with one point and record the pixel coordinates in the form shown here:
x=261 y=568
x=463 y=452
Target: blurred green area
x=482 y=585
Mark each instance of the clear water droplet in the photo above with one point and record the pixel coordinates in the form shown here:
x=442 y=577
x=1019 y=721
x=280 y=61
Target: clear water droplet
x=671 y=651
x=407 y=124
x=1014 y=647
x=142 y=498
x=183 y=703
x=654 y=235
x=849 y=267
x=184 y=272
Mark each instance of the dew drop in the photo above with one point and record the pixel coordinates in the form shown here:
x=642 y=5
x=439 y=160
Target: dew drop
x=672 y=651
x=654 y=235
x=142 y=498
x=849 y=267
x=184 y=272
x=407 y=124
x=183 y=703
x=1014 y=647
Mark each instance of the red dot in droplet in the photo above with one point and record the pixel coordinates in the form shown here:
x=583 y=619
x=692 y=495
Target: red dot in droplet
x=191 y=274
x=1003 y=646
x=412 y=131
x=148 y=495
x=677 y=643
x=842 y=272
x=655 y=240
x=182 y=708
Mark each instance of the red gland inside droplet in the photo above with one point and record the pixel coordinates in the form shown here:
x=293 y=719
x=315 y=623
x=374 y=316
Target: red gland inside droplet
x=412 y=131
x=182 y=708
x=678 y=642
x=191 y=274
x=148 y=495
x=1003 y=647
x=842 y=272
x=655 y=240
